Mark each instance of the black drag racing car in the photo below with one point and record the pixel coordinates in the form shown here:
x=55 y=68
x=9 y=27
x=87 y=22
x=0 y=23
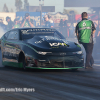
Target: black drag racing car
x=42 y=48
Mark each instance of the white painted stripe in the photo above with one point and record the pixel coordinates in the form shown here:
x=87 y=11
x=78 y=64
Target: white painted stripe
x=96 y=64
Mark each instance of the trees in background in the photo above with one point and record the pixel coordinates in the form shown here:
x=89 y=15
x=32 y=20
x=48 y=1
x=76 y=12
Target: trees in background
x=5 y=8
x=26 y=3
x=18 y=5
x=11 y=10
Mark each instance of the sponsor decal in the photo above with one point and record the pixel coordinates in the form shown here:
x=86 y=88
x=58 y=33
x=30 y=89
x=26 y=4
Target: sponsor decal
x=84 y=28
x=51 y=38
x=40 y=41
x=27 y=31
x=58 y=44
x=10 y=52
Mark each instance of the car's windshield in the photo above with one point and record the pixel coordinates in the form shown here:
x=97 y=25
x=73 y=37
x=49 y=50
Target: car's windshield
x=28 y=34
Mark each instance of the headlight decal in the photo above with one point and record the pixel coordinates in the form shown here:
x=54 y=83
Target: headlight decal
x=78 y=52
x=43 y=53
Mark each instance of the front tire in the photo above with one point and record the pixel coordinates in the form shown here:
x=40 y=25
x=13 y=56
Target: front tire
x=21 y=59
x=23 y=64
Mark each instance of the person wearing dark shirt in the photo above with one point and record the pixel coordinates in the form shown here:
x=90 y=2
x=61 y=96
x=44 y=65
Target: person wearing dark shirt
x=71 y=31
x=84 y=31
x=65 y=29
x=27 y=21
x=61 y=26
x=10 y=23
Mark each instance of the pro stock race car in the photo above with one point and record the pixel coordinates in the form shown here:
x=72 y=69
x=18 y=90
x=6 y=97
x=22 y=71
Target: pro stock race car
x=42 y=48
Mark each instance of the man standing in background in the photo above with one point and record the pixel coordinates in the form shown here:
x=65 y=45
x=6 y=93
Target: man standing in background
x=27 y=22
x=71 y=31
x=84 y=31
x=51 y=21
x=10 y=23
x=61 y=26
x=48 y=22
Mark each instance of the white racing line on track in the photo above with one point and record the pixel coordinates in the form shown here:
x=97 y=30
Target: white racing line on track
x=96 y=64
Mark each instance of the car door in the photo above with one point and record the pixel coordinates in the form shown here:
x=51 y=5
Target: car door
x=11 y=47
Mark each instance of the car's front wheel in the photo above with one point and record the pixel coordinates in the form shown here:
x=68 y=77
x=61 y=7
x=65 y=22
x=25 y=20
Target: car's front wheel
x=23 y=64
x=22 y=60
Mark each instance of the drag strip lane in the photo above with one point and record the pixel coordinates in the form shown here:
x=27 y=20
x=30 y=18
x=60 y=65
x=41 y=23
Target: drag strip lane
x=51 y=84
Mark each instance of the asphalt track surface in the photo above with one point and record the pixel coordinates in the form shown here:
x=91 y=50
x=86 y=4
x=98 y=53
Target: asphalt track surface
x=51 y=84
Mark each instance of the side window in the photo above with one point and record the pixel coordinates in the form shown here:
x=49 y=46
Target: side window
x=56 y=35
x=13 y=35
x=6 y=35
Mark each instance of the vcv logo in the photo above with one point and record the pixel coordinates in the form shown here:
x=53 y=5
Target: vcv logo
x=58 y=44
